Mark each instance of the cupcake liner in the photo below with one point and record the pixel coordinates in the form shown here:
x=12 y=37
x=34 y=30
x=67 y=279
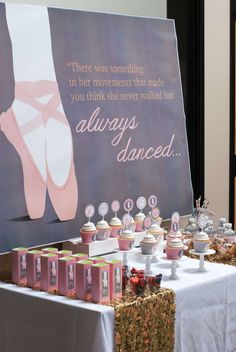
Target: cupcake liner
x=126 y=244
x=174 y=253
x=201 y=247
x=88 y=237
x=103 y=235
x=148 y=248
x=115 y=231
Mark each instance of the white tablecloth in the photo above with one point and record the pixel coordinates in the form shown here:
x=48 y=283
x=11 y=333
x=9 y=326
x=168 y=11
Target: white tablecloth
x=33 y=321
x=205 y=304
x=205 y=314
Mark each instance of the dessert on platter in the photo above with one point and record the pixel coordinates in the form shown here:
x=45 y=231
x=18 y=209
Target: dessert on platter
x=126 y=240
x=172 y=235
x=156 y=231
x=148 y=244
x=201 y=242
x=229 y=233
x=116 y=226
x=210 y=229
x=192 y=227
x=174 y=249
x=102 y=226
x=115 y=223
x=139 y=217
x=103 y=230
x=132 y=224
x=88 y=232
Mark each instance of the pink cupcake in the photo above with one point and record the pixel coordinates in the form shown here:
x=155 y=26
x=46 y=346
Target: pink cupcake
x=126 y=240
x=174 y=249
x=88 y=232
x=139 y=222
x=116 y=226
x=148 y=244
x=172 y=235
x=157 y=232
x=132 y=224
x=201 y=242
x=103 y=230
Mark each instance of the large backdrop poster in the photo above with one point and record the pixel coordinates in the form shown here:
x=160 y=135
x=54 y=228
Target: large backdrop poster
x=91 y=110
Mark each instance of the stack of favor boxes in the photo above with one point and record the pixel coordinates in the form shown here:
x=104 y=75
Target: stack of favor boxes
x=73 y=275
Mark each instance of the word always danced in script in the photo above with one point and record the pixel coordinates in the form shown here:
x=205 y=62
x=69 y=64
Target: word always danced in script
x=95 y=123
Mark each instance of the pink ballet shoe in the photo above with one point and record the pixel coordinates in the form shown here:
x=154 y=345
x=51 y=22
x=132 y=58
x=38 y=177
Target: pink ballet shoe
x=64 y=197
x=34 y=185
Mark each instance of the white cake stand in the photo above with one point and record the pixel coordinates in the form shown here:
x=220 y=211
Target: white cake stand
x=202 y=268
x=177 y=264
x=125 y=254
x=148 y=267
x=174 y=266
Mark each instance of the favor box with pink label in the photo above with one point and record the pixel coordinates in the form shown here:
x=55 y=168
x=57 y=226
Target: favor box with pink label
x=115 y=268
x=80 y=256
x=64 y=253
x=100 y=283
x=19 y=265
x=83 y=279
x=33 y=262
x=66 y=276
x=49 y=272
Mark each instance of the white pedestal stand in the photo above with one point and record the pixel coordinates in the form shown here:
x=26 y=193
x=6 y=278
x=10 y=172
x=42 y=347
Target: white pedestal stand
x=202 y=268
x=149 y=260
x=125 y=254
x=174 y=266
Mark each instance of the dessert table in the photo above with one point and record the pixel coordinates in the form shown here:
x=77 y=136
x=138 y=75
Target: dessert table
x=205 y=314
x=205 y=304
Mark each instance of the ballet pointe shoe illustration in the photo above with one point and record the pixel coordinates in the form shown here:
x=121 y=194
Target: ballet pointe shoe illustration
x=61 y=177
x=64 y=199
x=34 y=185
x=55 y=155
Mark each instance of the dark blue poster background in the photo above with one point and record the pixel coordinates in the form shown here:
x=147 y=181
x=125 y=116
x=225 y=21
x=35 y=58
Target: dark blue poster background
x=119 y=83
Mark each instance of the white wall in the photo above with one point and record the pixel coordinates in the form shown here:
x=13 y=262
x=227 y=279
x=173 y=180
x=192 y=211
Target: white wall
x=151 y=8
x=217 y=94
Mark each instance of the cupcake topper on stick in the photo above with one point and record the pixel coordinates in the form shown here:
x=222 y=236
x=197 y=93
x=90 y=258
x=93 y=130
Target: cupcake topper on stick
x=103 y=209
x=147 y=222
x=152 y=201
x=89 y=211
x=126 y=220
x=128 y=205
x=141 y=203
x=175 y=222
x=155 y=213
x=115 y=207
x=202 y=221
